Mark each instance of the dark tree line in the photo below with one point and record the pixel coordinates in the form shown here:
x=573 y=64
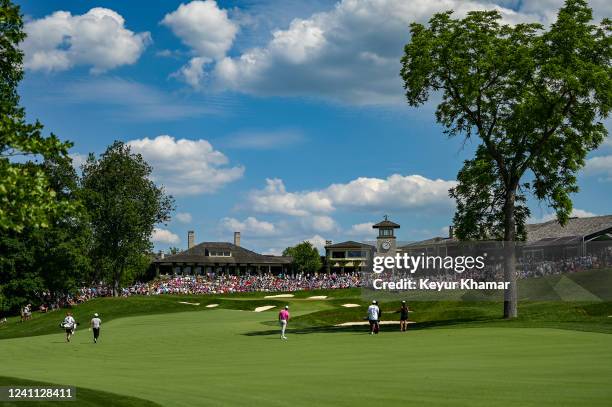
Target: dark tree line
x=59 y=230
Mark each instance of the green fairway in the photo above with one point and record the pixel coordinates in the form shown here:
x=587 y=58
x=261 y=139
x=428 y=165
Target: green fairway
x=176 y=351
x=227 y=357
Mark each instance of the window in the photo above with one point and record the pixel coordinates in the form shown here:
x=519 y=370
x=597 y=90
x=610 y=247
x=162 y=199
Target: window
x=386 y=232
x=219 y=253
x=338 y=255
x=355 y=254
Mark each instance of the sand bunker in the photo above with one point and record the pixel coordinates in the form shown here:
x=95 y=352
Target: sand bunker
x=280 y=296
x=318 y=297
x=212 y=305
x=264 y=308
x=189 y=303
x=350 y=305
x=357 y=323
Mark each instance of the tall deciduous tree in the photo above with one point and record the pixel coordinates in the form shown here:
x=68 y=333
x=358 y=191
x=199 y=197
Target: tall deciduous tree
x=63 y=249
x=306 y=258
x=26 y=198
x=124 y=205
x=534 y=98
x=53 y=259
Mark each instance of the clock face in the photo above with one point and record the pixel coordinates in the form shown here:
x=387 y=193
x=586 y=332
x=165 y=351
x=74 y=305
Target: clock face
x=386 y=245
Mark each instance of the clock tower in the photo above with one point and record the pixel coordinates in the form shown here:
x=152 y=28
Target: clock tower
x=385 y=242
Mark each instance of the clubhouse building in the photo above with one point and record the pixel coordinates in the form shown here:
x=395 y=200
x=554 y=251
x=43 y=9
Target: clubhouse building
x=545 y=241
x=220 y=258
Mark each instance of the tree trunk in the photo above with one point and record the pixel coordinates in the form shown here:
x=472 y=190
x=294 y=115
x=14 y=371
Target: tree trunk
x=115 y=287
x=510 y=294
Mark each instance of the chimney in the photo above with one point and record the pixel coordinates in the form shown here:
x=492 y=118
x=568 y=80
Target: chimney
x=162 y=254
x=237 y=238
x=451 y=232
x=190 y=239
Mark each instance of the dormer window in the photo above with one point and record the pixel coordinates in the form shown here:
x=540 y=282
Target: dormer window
x=219 y=253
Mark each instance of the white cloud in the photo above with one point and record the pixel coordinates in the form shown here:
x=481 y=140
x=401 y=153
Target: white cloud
x=394 y=192
x=274 y=198
x=251 y=226
x=184 y=217
x=601 y=165
x=547 y=9
x=97 y=38
x=204 y=27
x=186 y=167
x=193 y=72
x=350 y=53
x=78 y=160
x=207 y=30
x=576 y=213
x=318 y=242
x=322 y=224
x=164 y=236
x=361 y=230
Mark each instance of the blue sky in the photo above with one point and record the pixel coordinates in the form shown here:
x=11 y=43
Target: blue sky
x=282 y=119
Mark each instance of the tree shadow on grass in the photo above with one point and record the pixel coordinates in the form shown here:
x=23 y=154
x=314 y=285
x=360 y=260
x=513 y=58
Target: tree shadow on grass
x=450 y=323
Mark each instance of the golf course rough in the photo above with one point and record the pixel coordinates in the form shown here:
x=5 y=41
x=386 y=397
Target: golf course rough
x=230 y=357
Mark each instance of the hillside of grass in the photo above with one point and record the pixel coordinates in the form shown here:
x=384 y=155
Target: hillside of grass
x=228 y=357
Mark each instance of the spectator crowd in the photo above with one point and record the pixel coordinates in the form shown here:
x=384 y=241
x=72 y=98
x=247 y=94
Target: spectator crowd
x=224 y=284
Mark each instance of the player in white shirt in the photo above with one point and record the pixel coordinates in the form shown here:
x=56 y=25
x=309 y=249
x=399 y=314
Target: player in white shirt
x=373 y=317
x=95 y=327
x=69 y=325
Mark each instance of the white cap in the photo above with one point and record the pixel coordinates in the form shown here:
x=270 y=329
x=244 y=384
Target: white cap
x=96 y=314
x=286 y=307
x=373 y=301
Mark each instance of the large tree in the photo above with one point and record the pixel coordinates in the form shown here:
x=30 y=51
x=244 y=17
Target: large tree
x=63 y=249
x=533 y=98
x=53 y=259
x=26 y=198
x=306 y=257
x=123 y=205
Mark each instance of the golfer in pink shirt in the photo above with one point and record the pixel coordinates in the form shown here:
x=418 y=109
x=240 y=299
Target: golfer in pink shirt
x=283 y=317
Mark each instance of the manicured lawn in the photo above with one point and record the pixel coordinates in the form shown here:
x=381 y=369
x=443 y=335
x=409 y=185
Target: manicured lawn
x=226 y=357
x=457 y=353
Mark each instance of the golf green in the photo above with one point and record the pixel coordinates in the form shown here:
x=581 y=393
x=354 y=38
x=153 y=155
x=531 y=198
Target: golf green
x=227 y=357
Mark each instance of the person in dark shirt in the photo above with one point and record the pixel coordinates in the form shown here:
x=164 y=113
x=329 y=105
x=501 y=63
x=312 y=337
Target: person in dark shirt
x=404 y=317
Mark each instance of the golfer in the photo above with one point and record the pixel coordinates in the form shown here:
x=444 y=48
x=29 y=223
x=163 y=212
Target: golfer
x=95 y=327
x=404 y=316
x=69 y=325
x=283 y=318
x=374 y=317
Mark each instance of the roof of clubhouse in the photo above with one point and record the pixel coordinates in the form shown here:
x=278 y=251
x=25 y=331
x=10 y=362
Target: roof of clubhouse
x=576 y=229
x=350 y=244
x=205 y=253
